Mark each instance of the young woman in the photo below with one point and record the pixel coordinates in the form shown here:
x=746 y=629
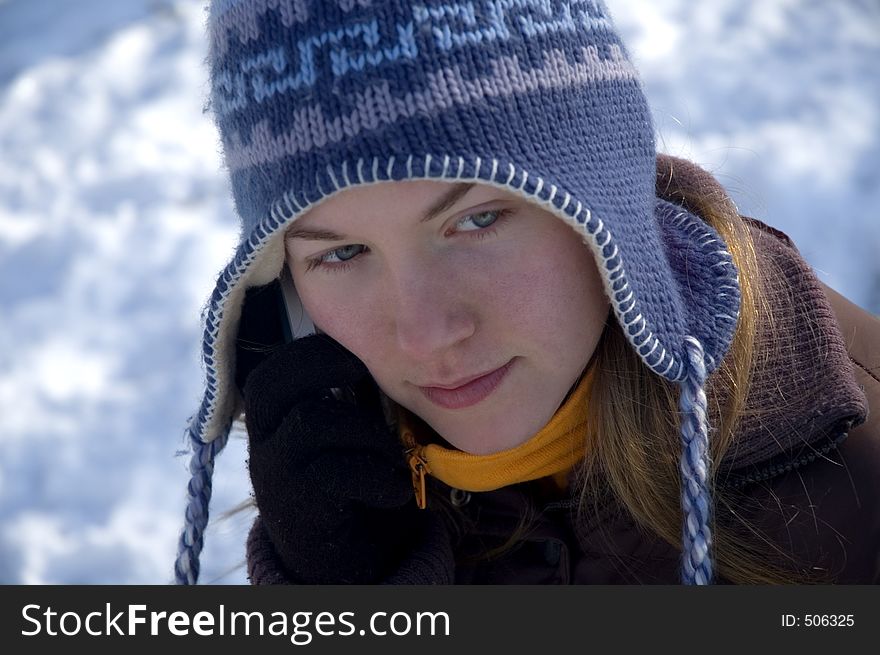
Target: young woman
x=543 y=353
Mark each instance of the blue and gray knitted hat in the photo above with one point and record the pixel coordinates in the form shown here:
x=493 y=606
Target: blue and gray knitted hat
x=538 y=97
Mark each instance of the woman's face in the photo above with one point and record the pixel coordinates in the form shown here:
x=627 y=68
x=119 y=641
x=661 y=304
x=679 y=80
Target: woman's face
x=489 y=284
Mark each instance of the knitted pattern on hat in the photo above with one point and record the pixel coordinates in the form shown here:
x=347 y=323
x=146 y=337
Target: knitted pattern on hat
x=537 y=97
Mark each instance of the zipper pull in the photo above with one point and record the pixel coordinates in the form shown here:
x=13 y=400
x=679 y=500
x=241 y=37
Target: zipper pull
x=418 y=466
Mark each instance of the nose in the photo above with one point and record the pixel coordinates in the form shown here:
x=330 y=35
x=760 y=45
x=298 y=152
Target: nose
x=431 y=313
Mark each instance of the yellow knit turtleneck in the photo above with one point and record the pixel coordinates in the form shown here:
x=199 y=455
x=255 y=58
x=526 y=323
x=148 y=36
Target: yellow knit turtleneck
x=550 y=454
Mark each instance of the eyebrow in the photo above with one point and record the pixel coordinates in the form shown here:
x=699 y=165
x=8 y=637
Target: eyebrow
x=444 y=202
x=447 y=200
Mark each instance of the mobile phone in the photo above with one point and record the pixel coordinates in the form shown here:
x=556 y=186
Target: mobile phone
x=295 y=322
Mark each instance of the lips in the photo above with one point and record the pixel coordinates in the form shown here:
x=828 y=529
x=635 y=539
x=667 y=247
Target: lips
x=469 y=393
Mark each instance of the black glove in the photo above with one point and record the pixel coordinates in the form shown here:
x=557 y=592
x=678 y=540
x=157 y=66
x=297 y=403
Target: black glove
x=330 y=479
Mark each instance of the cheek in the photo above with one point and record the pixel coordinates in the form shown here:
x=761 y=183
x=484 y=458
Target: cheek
x=555 y=295
x=352 y=322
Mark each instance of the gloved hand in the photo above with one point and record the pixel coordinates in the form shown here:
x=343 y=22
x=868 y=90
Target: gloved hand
x=330 y=479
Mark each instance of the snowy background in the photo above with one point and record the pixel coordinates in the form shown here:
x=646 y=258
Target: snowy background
x=115 y=218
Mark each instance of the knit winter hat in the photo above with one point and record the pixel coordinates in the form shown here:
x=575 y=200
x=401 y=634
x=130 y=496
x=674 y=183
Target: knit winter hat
x=537 y=97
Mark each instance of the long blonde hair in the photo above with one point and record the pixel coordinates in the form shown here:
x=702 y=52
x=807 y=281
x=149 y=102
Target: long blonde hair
x=633 y=430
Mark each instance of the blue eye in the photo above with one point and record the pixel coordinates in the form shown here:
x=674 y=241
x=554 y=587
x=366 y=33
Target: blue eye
x=342 y=254
x=482 y=220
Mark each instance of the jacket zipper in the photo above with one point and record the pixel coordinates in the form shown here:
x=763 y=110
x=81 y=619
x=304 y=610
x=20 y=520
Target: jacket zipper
x=418 y=466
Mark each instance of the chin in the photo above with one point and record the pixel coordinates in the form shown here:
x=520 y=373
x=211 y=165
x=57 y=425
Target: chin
x=468 y=433
x=476 y=444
